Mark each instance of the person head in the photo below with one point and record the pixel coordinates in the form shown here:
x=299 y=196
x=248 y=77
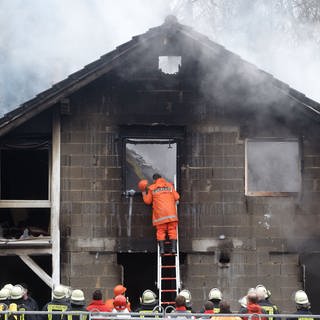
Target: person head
x=148 y=297
x=252 y=298
x=156 y=176
x=97 y=295
x=26 y=290
x=301 y=300
x=59 y=292
x=120 y=302
x=224 y=307
x=180 y=301
x=77 y=297
x=215 y=294
x=119 y=289
x=187 y=294
x=208 y=305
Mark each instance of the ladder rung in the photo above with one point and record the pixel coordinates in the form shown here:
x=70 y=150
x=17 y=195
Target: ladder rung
x=168 y=266
x=169 y=290
x=168 y=278
x=169 y=254
x=168 y=302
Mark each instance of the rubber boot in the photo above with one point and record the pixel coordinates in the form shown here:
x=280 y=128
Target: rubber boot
x=174 y=246
x=161 y=247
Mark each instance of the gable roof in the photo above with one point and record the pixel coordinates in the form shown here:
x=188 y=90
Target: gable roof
x=109 y=61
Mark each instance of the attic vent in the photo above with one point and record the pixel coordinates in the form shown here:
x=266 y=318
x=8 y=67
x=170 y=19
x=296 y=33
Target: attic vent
x=169 y=64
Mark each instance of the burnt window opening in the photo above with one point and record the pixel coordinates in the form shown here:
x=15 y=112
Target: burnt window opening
x=144 y=157
x=273 y=167
x=24 y=174
x=23 y=223
x=169 y=64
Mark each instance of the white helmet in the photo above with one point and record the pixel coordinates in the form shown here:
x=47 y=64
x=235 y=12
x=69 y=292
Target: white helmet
x=243 y=301
x=187 y=294
x=215 y=294
x=59 y=292
x=301 y=297
x=148 y=297
x=261 y=291
x=4 y=294
x=17 y=292
x=8 y=286
x=77 y=297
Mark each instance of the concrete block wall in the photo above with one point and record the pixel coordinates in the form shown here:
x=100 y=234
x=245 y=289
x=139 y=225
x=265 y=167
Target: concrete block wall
x=214 y=204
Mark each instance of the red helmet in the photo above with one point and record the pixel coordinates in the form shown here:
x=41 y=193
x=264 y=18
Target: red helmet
x=120 y=302
x=142 y=184
x=119 y=289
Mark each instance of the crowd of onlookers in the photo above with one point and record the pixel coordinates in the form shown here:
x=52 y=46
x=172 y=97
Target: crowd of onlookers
x=256 y=301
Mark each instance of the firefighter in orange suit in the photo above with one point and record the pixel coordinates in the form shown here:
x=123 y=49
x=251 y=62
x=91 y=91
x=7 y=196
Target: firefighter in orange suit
x=162 y=195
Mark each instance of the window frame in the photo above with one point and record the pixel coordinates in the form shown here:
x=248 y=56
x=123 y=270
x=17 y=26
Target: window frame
x=174 y=134
x=273 y=193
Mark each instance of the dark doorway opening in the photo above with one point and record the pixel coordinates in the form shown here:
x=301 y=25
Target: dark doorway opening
x=139 y=274
x=13 y=270
x=311 y=278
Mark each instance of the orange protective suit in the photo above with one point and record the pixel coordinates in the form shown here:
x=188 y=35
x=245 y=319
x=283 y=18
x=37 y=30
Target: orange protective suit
x=162 y=195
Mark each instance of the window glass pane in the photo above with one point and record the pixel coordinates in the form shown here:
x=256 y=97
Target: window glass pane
x=273 y=166
x=146 y=157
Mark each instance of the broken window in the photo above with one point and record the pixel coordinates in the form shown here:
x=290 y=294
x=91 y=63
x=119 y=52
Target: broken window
x=169 y=64
x=144 y=157
x=272 y=167
x=21 y=223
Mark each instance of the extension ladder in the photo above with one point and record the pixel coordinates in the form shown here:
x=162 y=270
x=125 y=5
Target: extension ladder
x=168 y=278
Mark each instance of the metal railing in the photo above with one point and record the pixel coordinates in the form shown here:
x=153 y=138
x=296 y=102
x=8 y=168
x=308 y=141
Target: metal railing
x=165 y=313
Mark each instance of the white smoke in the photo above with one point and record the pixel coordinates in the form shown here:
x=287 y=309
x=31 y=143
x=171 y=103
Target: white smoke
x=42 y=42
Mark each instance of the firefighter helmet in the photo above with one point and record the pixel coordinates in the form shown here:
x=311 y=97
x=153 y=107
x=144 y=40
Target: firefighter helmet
x=4 y=294
x=17 y=292
x=119 y=289
x=215 y=294
x=261 y=291
x=142 y=184
x=8 y=286
x=77 y=297
x=120 y=302
x=59 y=292
x=301 y=297
x=187 y=294
x=148 y=297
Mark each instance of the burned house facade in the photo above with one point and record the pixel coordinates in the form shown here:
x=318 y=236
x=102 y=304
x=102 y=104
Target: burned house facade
x=242 y=147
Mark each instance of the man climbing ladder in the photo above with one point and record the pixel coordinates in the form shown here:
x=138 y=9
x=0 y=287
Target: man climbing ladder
x=162 y=195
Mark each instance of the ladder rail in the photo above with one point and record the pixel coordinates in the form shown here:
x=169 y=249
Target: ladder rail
x=176 y=266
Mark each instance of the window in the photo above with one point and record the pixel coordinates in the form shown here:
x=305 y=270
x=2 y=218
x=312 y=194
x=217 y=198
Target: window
x=272 y=167
x=144 y=157
x=24 y=174
x=169 y=64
